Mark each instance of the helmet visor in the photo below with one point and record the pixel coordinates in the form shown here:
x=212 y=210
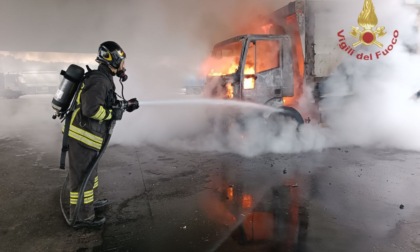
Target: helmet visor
x=117 y=57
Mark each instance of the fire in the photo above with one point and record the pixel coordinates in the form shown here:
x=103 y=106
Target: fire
x=249 y=83
x=246 y=201
x=230 y=193
x=229 y=91
x=218 y=67
x=227 y=67
x=223 y=61
x=267 y=28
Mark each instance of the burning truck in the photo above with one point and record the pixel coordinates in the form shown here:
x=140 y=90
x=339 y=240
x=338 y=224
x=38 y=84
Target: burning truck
x=271 y=64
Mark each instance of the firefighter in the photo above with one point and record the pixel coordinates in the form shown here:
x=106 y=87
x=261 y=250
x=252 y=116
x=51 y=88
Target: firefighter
x=95 y=110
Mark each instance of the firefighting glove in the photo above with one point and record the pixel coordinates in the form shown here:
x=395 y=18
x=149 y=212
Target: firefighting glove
x=132 y=105
x=117 y=113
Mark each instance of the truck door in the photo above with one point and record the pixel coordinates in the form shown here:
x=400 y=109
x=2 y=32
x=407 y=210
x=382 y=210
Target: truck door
x=267 y=69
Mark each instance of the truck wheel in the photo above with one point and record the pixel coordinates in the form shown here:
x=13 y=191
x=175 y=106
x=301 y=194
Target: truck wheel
x=277 y=120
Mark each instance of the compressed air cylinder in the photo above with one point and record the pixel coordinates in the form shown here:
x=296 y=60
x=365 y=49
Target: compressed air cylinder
x=68 y=86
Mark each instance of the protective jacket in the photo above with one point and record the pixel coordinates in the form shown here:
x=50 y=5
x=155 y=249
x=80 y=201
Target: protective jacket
x=90 y=120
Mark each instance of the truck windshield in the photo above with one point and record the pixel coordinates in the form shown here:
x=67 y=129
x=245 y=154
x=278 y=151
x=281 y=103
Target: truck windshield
x=224 y=59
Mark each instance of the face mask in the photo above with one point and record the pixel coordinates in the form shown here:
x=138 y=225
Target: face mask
x=121 y=74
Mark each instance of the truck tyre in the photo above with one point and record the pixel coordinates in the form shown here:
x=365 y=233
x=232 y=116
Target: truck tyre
x=275 y=120
x=293 y=113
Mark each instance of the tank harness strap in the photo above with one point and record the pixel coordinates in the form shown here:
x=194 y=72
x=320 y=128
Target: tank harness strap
x=65 y=146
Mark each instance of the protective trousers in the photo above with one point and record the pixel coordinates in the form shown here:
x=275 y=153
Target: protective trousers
x=79 y=160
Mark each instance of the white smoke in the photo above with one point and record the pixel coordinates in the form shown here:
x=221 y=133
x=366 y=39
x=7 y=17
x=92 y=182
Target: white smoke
x=378 y=108
x=51 y=57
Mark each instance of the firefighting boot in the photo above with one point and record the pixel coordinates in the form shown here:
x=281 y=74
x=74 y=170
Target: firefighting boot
x=100 y=203
x=96 y=222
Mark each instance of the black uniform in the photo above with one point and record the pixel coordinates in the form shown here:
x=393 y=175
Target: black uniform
x=88 y=130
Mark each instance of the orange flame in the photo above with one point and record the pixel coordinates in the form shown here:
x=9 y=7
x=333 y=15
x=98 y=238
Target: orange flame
x=249 y=82
x=230 y=193
x=219 y=67
x=229 y=95
x=267 y=28
x=247 y=201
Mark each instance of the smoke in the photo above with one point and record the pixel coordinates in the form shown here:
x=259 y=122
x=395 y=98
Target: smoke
x=51 y=57
x=371 y=101
x=381 y=109
x=29 y=119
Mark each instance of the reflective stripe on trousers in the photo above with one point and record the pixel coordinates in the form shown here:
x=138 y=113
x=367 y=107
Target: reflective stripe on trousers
x=88 y=195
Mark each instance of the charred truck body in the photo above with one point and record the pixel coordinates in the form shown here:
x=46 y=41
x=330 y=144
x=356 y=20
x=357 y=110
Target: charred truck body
x=273 y=63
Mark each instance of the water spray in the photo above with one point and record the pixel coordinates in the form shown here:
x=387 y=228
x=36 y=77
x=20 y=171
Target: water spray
x=212 y=102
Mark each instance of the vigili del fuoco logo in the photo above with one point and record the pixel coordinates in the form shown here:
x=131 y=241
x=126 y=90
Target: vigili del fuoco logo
x=367 y=34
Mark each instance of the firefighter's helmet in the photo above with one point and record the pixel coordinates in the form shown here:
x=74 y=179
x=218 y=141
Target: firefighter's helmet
x=111 y=54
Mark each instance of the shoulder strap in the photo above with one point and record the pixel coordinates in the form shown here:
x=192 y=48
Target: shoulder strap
x=90 y=72
x=65 y=145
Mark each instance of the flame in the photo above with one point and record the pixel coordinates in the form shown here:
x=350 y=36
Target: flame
x=218 y=67
x=246 y=201
x=267 y=28
x=229 y=95
x=230 y=193
x=249 y=83
x=229 y=66
x=367 y=18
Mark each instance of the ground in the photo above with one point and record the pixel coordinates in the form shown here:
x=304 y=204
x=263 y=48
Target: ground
x=347 y=199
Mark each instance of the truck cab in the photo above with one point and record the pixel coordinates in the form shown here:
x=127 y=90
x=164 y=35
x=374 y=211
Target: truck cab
x=282 y=53
x=255 y=68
